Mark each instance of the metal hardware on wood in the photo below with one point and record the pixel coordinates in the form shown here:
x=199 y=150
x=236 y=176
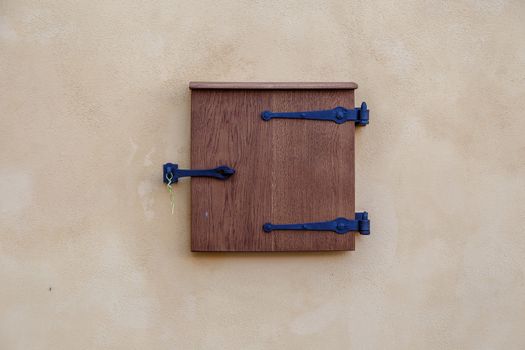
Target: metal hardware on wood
x=172 y=173
x=339 y=225
x=359 y=115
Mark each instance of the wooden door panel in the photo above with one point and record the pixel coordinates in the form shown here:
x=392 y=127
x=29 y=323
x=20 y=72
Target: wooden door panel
x=287 y=171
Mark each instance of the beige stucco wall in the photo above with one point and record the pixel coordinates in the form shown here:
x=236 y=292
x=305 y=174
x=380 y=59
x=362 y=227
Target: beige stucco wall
x=94 y=98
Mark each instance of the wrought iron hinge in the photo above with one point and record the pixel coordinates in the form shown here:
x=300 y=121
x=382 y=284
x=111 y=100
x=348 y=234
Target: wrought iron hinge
x=359 y=115
x=172 y=173
x=361 y=224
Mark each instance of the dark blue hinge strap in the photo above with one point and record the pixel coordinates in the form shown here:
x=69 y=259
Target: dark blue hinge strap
x=172 y=173
x=359 y=115
x=361 y=224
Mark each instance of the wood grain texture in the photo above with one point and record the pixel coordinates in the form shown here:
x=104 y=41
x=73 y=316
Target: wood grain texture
x=287 y=171
x=273 y=86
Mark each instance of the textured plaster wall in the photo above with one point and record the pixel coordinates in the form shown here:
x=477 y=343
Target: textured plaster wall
x=94 y=98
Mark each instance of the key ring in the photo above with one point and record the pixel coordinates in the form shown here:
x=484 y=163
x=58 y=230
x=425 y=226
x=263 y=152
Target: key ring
x=169 y=177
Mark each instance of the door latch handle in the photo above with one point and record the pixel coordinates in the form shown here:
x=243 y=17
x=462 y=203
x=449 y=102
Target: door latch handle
x=359 y=115
x=172 y=173
x=361 y=224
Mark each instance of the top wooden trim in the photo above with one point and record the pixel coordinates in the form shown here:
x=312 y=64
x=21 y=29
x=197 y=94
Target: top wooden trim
x=194 y=85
